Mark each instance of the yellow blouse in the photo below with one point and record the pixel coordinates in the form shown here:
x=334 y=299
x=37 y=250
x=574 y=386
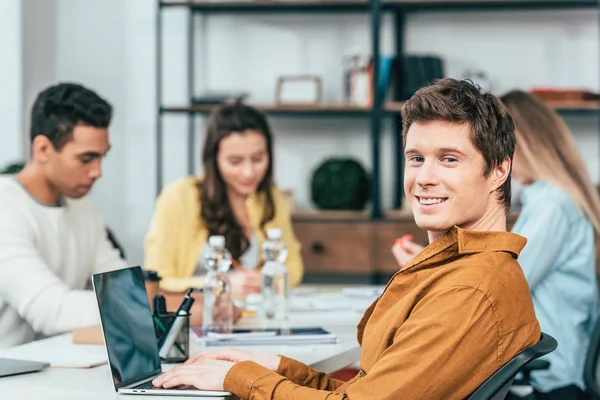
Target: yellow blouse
x=177 y=234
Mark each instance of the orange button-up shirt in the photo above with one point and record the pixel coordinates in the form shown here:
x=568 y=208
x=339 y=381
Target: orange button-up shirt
x=444 y=324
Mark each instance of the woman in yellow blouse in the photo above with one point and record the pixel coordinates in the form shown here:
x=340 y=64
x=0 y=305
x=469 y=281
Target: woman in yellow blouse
x=235 y=198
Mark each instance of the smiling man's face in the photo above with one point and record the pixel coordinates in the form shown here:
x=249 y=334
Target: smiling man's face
x=444 y=178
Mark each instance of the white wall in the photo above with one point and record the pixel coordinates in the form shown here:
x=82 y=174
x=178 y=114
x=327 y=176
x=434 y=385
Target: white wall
x=110 y=46
x=90 y=49
x=38 y=54
x=10 y=81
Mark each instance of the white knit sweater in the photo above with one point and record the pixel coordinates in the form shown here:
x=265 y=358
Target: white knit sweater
x=47 y=256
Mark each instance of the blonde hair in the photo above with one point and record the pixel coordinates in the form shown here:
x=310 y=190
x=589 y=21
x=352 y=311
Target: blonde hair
x=547 y=148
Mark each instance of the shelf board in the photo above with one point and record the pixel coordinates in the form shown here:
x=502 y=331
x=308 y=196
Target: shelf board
x=363 y=5
x=328 y=110
x=270 y=6
x=332 y=110
x=575 y=106
x=330 y=216
x=463 y=5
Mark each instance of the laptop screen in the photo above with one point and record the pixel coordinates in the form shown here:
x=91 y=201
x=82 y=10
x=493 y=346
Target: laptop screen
x=127 y=325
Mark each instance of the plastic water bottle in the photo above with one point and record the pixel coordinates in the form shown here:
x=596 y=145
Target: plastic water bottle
x=218 y=300
x=275 y=287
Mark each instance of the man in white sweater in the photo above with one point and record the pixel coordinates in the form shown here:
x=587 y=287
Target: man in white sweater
x=51 y=238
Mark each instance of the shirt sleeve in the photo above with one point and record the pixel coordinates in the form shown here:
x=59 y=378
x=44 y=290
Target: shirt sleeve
x=32 y=288
x=437 y=338
x=546 y=230
x=249 y=380
x=302 y=374
x=293 y=262
x=162 y=241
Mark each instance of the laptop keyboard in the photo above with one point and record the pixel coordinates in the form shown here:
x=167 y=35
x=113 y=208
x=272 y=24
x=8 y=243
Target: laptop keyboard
x=147 y=385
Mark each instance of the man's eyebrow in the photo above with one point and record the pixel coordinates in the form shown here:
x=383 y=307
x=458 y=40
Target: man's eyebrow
x=451 y=150
x=94 y=153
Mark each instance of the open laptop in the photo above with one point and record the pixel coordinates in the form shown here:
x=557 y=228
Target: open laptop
x=9 y=367
x=129 y=335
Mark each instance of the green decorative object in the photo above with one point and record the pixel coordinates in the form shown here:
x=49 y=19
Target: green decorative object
x=340 y=184
x=13 y=168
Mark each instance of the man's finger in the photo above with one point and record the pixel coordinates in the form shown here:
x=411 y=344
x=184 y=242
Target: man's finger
x=179 y=380
x=412 y=247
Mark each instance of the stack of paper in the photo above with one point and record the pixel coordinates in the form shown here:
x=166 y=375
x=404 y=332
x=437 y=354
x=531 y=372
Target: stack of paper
x=59 y=351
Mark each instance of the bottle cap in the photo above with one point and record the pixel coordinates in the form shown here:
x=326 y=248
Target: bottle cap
x=274 y=233
x=217 y=241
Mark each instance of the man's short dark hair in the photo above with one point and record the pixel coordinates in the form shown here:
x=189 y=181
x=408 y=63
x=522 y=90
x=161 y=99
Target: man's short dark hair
x=59 y=108
x=461 y=102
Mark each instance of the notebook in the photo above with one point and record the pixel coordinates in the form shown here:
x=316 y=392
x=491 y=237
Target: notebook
x=265 y=337
x=59 y=351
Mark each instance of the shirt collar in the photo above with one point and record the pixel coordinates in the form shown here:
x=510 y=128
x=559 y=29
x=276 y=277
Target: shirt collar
x=472 y=242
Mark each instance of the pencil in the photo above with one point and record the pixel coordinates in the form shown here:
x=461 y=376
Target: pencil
x=235 y=264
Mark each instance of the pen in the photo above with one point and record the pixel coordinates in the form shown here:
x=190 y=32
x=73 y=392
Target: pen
x=236 y=265
x=158 y=322
x=172 y=332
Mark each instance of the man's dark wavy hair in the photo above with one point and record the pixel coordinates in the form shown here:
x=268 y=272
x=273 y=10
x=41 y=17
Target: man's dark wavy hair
x=59 y=108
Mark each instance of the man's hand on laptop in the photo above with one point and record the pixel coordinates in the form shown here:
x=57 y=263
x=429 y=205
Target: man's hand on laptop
x=270 y=361
x=205 y=375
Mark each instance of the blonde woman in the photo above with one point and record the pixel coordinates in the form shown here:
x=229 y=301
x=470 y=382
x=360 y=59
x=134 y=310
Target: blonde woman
x=559 y=218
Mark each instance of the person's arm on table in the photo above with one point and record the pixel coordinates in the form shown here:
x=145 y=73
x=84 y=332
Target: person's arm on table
x=432 y=354
x=294 y=370
x=32 y=288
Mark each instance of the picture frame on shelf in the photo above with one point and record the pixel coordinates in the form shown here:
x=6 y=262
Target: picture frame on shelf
x=298 y=90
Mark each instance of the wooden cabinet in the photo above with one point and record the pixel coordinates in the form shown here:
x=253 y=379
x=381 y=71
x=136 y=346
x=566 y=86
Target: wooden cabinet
x=351 y=248
x=336 y=248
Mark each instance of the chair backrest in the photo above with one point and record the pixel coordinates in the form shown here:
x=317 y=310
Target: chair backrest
x=591 y=370
x=496 y=386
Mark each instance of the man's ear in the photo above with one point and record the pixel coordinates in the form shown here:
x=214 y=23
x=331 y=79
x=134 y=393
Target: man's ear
x=500 y=174
x=41 y=148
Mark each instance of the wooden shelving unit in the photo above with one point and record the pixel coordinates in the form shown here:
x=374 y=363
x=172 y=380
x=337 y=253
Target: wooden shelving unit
x=347 y=246
x=399 y=9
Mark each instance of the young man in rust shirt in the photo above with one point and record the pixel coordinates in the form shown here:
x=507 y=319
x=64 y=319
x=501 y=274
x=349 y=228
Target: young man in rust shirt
x=455 y=314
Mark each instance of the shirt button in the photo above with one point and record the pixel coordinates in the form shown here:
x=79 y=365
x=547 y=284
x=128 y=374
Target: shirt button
x=361 y=373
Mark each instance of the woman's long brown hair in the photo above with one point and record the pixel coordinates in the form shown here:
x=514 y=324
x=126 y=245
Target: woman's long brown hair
x=549 y=152
x=216 y=211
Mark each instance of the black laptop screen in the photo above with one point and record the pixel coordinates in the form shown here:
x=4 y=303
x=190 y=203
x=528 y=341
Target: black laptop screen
x=127 y=325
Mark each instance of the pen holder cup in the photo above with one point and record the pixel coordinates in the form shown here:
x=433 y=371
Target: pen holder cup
x=179 y=351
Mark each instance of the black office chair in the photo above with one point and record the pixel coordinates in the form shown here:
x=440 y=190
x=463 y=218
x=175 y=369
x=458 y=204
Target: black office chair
x=496 y=387
x=591 y=370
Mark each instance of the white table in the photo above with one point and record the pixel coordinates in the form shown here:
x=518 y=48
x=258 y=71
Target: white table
x=95 y=383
